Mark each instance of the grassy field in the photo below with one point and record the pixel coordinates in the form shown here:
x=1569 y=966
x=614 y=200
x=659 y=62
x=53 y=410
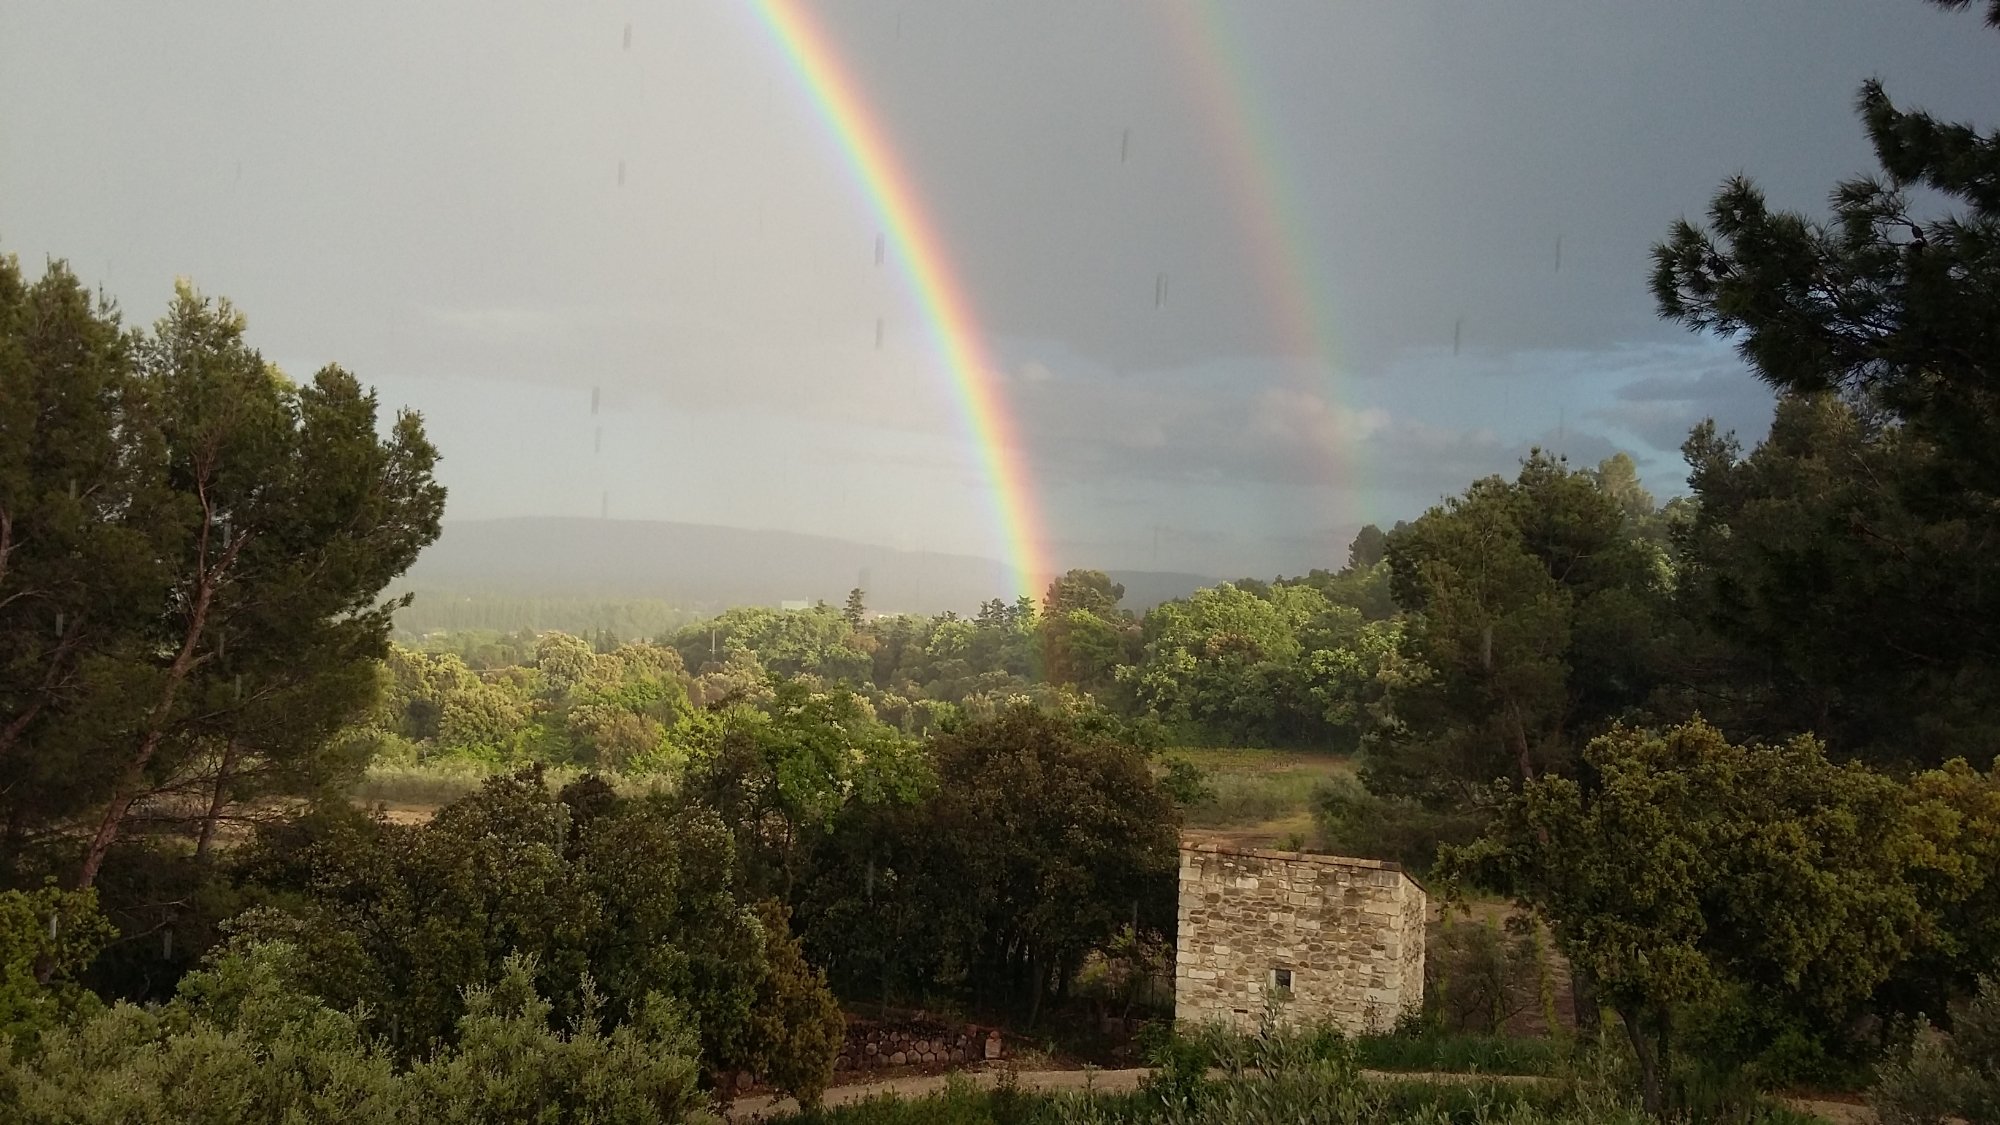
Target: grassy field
x=1262 y=798
x=410 y=794
x=417 y=786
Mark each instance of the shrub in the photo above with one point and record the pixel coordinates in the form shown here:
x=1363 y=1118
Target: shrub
x=46 y=936
x=1428 y=1049
x=242 y=1042
x=1481 y=974
x=1353 y=821
x=1938 y=1076
x=795 y=1027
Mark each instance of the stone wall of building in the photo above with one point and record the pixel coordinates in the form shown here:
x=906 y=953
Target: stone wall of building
x=1349 y=932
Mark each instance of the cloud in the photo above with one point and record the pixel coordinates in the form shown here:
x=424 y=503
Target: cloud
x=1300 y=419
x=1258 y=425
x=1661 y=408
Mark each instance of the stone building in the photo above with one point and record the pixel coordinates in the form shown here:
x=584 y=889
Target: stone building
x=1336 y=939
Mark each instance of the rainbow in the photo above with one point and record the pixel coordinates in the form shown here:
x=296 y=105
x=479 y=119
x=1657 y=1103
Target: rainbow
x=940 y=293
x=1273 y=217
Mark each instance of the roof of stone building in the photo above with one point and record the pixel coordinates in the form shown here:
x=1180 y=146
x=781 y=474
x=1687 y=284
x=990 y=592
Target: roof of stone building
x=1210 y=847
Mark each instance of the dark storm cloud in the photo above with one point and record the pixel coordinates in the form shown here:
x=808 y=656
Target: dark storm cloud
x=494 y=210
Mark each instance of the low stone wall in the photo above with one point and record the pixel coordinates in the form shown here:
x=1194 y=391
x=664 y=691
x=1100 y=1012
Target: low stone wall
x=874 y=1045
x=1327 y=938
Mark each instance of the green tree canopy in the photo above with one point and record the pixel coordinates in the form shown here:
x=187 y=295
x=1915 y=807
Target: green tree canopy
x=1534 y=613
x=1689 y=864
x=224 y=611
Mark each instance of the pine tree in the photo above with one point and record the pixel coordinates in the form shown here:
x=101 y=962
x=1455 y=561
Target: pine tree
x=1890 y=302
x=192 y=549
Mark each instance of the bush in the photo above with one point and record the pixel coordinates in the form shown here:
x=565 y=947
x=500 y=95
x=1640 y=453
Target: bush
x=1733 y=1041
x=795 y=1027
x=399 y=919
x=1428 y=1049
x=46 y=936
x=1937 y=1076
x=242 y=1042
x=1481 y=974
x=1353 y=821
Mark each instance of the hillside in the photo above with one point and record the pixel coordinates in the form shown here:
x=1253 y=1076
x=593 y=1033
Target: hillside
x=700 y=566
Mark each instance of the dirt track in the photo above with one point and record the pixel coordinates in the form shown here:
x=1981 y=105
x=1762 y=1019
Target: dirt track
x=763 y=1107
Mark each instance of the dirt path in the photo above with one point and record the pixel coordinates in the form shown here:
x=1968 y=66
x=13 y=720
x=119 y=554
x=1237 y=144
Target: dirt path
x=763 y=1107
x=1040 y=1081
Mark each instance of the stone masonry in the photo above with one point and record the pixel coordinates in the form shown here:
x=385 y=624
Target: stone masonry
x=1348 y=934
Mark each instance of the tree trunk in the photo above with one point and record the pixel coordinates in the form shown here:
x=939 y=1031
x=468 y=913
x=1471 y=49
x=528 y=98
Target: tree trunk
x=1523 y=757
x=1035 y=976
x=11 y=842
x=11 y=733
x=216 y=800
x=156 y=722
x=1648 y=1050
x=1584 y=1006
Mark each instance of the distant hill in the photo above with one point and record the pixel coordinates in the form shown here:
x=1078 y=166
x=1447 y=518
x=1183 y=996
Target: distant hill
x=704 y=567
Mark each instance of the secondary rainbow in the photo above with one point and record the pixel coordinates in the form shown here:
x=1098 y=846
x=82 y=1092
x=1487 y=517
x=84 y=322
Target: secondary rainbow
x=1274 y=221
x=939 y=292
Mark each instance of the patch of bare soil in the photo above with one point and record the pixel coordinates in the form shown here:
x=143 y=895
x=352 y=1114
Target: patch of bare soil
x=405 y=814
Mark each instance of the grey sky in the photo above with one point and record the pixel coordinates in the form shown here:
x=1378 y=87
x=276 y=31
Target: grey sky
x=431 y=195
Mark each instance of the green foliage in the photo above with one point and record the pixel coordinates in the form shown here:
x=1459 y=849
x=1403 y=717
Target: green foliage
x=241 y=1042
x=1085 y=636
x=1352 y=821
x=1186 y=783
x=796 y=1026
x=1041 y=840
x=1059 y=836
x=1888 y=302
x=1438 y=1052
x=1287 y=1099
x=778 y=776
x=1956 y=872
x=1734 y=1042
x=1939 y=1076
x=507 y=1064
x=482 y=628
x=1533 y=613
x=569 y=704
x=637 y=896
x=1835 y=594
x=1691 y=864
x=1232 y=663
x=1845 y=567
x=1479 y=975
x=189 y=588
x=1370 y=547
x=812 y=642
x=47 y=937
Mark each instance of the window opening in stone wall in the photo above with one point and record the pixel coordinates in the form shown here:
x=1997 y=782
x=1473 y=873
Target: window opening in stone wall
x=1281 y=979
